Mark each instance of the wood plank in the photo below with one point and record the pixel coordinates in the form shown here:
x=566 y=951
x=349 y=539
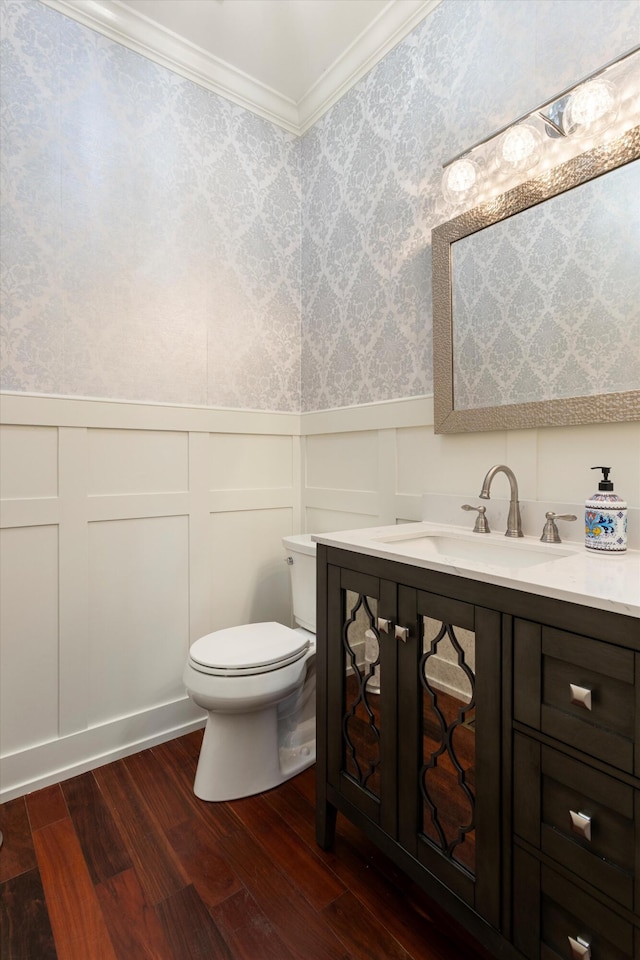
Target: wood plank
x=224 y=856
x=79 y=929
x=185 y=752
x=190 y=930
x=248 y=931
x=360 y=931
x=174 y=759
x=296 y=811
x=134 y=926
x=405 y=910
x=158 y=867
x=18 y=854
x=305 y=784
x=300 y=927
x=25 y=929
x=198 y=850
x=46 y=806
x=103 y=848
x=418 y=923
x=161 y=791
x=300 y=863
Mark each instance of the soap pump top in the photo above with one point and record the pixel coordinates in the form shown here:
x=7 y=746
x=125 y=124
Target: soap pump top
x=605 y=483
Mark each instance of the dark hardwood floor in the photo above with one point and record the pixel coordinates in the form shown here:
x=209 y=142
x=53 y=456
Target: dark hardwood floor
x=125 y=863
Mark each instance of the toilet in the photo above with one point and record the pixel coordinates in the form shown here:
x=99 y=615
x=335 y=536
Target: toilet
x=258 y=684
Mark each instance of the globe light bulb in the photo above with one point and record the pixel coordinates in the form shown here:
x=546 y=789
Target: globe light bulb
x=591 y=108
x=519 y=149
x=460 y=181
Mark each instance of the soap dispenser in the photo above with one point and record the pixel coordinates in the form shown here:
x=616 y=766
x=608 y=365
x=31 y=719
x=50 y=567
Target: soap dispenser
x=605 y=518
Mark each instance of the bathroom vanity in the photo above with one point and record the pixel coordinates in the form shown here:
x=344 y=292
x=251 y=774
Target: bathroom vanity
x=479 y=720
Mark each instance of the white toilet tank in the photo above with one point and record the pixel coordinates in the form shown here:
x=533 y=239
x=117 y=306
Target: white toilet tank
x=302 y=550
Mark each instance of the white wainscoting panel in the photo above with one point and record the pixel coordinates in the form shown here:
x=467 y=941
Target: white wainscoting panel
x=365 y=466
x=128 y=530
x=138 y=636
x=346 y=461
x=249 y=579
x=570 y=478
x=552 y=464
x=250 y=462
x=323 y=520
x=137 y=461
x=29 y=631
x=28 y=462
x=414 y=463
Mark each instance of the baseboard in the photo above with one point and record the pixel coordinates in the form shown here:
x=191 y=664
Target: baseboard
x=46 y=763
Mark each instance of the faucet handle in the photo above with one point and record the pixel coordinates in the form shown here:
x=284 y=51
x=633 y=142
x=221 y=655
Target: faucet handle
x=482 y=524
x=550 y=532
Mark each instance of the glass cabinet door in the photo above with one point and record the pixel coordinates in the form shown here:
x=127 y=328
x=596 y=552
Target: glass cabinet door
x=449 y=721
x=446 y=778
x=361 y=720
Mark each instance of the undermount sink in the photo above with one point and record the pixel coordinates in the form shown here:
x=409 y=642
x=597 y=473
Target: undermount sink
x=479 y=548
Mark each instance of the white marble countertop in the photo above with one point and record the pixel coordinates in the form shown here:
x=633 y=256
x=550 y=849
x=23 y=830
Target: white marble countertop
x=571 y=572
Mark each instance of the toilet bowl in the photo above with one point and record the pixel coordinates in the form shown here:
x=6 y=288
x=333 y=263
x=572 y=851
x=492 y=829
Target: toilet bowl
x=257 y=683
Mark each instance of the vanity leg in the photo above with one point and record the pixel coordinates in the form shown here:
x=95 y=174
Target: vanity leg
x=325 y=824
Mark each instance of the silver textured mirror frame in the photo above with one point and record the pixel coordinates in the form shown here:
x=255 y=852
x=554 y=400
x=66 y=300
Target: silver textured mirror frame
x=602 y=408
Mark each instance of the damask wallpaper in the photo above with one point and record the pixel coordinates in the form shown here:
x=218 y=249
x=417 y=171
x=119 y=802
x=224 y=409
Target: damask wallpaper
x=163 y=244
x=150 y=229
x=371 y=170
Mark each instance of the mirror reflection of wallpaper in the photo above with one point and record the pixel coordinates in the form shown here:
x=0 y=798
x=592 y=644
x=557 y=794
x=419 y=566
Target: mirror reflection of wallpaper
x=151 y=229
x=546 y=304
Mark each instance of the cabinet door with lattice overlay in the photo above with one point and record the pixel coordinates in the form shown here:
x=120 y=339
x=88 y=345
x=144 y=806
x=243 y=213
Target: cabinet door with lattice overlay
x=449 y=743
x=362 y=708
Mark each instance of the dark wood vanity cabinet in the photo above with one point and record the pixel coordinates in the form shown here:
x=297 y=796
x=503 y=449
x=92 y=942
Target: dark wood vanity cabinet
x=576 y=796
x=489 y=748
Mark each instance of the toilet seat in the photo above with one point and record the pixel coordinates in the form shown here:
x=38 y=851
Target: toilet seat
x=248 y=650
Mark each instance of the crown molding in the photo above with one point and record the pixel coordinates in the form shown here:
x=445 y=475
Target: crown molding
x=166 y=48
x=391 y=26
x=137 y=32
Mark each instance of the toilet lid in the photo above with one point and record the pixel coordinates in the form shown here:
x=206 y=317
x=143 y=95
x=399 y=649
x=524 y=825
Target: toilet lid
x=251 y=648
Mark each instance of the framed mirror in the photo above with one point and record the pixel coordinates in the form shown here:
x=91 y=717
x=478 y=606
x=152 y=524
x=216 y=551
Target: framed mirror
x=536 y=300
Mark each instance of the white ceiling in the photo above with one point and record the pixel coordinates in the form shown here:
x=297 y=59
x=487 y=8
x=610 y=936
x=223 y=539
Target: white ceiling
x=284 y=44
x=287 y=60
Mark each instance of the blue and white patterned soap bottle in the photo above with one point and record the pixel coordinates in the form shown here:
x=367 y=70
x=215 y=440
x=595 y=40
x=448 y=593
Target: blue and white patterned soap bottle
x=605 y=518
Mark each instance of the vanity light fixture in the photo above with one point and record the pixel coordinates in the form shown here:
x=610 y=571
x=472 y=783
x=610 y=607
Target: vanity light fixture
x=460 y=181
x=585 y=109
x=520 y=148
x=591 y=108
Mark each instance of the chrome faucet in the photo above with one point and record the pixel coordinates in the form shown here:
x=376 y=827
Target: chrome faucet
x=514 y=522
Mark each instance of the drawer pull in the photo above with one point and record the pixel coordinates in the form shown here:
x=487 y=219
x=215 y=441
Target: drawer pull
x=383 y=625
x=581 y=824
x=580 y=949
x=402 y=633
x=581 y=696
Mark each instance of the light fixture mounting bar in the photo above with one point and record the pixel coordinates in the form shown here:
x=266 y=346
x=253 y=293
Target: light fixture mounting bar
x=543 y=105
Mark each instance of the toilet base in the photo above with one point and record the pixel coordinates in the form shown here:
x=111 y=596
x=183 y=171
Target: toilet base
x=241 y=755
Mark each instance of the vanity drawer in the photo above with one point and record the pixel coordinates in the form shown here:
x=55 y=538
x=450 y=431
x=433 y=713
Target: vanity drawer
x=554 y=919
x=578 y=816
x=578 y=690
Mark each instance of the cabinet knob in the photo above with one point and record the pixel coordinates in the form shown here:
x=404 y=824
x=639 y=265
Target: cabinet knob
x=581 y=824
x=581 y=696
x=383 y=625
x=402 y=633
x=580 y=949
